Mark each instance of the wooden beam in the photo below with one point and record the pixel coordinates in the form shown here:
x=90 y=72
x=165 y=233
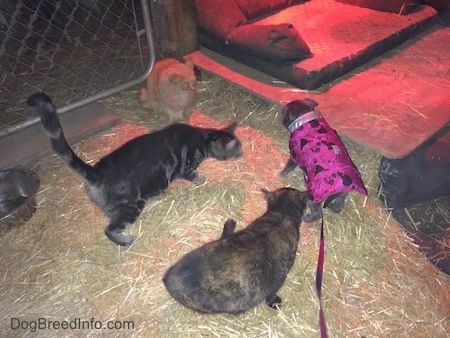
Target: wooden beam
x=31 y=143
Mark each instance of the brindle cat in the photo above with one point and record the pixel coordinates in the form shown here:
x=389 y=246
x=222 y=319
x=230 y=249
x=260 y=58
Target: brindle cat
x=242 y=269
x=123 y=181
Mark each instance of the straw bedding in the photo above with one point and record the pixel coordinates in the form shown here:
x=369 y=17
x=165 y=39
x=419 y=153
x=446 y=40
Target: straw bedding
x=60 y=266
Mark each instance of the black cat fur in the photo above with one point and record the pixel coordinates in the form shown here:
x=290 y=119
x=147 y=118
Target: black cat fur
x=242 y=269
x=123 y=181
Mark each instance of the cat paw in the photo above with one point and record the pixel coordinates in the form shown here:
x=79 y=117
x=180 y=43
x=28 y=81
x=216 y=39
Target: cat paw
x=274 y=302
x=119 y=238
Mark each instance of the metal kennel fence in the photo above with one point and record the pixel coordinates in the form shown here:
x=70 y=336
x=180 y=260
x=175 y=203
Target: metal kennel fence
x=78 y=51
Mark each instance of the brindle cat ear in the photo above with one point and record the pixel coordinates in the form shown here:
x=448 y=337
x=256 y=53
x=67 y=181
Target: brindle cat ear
x=267 y=194
x=231 y=128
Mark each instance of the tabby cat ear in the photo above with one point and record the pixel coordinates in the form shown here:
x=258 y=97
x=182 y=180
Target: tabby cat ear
x=230 y=145
x=231 y=128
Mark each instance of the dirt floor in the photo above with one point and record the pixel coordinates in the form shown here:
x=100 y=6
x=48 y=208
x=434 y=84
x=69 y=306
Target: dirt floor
x=60 y=266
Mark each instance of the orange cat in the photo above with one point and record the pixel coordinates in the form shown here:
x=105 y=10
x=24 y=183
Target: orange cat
x=171 y=88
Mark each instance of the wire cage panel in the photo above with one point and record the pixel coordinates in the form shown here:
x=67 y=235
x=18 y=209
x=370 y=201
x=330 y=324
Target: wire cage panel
x=77 y=51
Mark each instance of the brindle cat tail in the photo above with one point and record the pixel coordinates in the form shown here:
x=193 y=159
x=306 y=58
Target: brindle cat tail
x=50 y=120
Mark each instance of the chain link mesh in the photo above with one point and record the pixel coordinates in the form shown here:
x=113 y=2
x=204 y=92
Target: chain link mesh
x=69 y=49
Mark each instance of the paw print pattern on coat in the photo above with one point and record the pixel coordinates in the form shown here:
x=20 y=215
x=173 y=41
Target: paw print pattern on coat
x=316 y=147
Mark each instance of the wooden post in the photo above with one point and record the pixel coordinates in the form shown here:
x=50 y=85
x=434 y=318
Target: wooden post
x=174 y=26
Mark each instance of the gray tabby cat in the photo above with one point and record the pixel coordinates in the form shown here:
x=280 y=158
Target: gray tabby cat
x=123 y=181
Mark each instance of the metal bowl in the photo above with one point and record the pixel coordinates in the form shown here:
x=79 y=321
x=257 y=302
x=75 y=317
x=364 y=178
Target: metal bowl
x=18 y=188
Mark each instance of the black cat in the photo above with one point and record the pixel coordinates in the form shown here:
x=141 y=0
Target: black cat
x=123 y=181
x=242 y=269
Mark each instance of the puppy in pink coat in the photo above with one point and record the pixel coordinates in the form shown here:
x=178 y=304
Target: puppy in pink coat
x=317 y=149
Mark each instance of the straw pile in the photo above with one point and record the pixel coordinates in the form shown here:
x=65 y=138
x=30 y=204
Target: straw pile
x=61 y=267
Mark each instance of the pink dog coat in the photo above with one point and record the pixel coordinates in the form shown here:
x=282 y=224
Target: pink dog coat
x=321 y=154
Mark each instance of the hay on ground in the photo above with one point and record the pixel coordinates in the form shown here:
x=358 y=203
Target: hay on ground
x=60 y=265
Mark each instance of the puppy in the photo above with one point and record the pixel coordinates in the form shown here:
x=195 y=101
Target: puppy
x=244 y=268
x=316 y=148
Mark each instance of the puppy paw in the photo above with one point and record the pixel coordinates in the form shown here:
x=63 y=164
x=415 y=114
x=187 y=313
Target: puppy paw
x=337 y=204
x=335 y=208
x=288 y=168
x=284 y=173
x=309 y=218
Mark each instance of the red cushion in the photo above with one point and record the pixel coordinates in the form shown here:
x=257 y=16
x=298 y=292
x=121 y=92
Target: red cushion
x=227 y=21
x=276 y=43
x=220 y=17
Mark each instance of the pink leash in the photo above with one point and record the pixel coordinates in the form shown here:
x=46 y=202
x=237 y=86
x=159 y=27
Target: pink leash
x=319 y=274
